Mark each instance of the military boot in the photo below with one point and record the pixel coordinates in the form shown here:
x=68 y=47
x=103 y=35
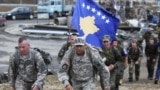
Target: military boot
x=156 y=82
x=137 y=78
x=130 y=79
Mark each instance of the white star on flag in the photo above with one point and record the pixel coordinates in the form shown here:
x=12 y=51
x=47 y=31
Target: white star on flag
x=88 y=7
x=103 y=17
x=98 y=13
x=83 y=5
x=93 y=10
x=107 y=21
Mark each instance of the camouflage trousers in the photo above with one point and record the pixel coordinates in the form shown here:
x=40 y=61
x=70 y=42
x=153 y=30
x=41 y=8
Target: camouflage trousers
x=134 y=68
x=21 y=85
x=88 y=85
x=120 y=72
x=113 y=79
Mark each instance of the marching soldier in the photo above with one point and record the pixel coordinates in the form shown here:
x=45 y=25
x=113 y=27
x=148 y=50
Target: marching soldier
x=134 y=61
x=27 y=69
x=65 y=46
x=79 y=67
x=151 y=53
x=119 y=77
x=113 y=59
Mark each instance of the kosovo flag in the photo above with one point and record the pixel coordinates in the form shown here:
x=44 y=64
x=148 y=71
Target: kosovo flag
x=92 y=22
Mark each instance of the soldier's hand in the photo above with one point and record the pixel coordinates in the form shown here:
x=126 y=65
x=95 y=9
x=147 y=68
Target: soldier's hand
x=35 y=87
x=13 y=88
x=111 y=67
x=69 y=87
x=137 y=62
x=148 y=58
x=154 y=60
x=107 y=89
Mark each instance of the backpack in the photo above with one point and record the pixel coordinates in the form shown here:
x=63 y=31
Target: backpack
x=45 y=55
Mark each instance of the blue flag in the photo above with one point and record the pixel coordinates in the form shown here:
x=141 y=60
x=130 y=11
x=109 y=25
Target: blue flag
x=92 y=22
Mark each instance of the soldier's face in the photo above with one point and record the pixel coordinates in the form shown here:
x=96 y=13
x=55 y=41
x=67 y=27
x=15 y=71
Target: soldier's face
x=24 y=47
x=80 y=49
x=115 y=43
x=151 y=41
x=134 y=40
x=106 y=44
x=72 y=39
x=134 y=45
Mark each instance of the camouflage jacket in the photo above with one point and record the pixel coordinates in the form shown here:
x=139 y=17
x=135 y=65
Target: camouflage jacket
x=30 y=68
x=133 y=54
x=113 y=56
x=81 y=69
x=62 y=51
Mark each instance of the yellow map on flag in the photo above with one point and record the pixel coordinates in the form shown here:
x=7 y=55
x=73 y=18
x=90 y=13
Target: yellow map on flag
x=87 y=24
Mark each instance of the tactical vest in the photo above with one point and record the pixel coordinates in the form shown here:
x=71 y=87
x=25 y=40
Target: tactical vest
x=87 y=63
x=26 y=68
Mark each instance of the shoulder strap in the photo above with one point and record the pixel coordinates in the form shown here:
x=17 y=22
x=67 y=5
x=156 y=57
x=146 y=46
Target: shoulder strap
x=16 y=61
x=88 y=51
x=17 y=58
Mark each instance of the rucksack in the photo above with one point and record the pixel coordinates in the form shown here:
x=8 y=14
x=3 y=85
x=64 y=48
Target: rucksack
x=45 y=55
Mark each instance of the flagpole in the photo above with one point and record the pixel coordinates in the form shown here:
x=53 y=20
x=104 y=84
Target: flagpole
x=69 y=29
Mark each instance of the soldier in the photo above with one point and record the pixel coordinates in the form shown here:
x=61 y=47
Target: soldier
x=112 y=59
x=151 y=53
x=79 y=66
x=146 y=36
x=119 y=77
x=134 y=61
x=27 y=69
x=135 y=40
x=65 y=46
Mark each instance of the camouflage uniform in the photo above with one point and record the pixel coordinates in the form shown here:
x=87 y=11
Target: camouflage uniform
x=80 y=71
x=151 y=53
x=25 y=72
x=133 y=57
x=65 y=47
x=121 y=67
x=113 y=57
x=63 y=50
